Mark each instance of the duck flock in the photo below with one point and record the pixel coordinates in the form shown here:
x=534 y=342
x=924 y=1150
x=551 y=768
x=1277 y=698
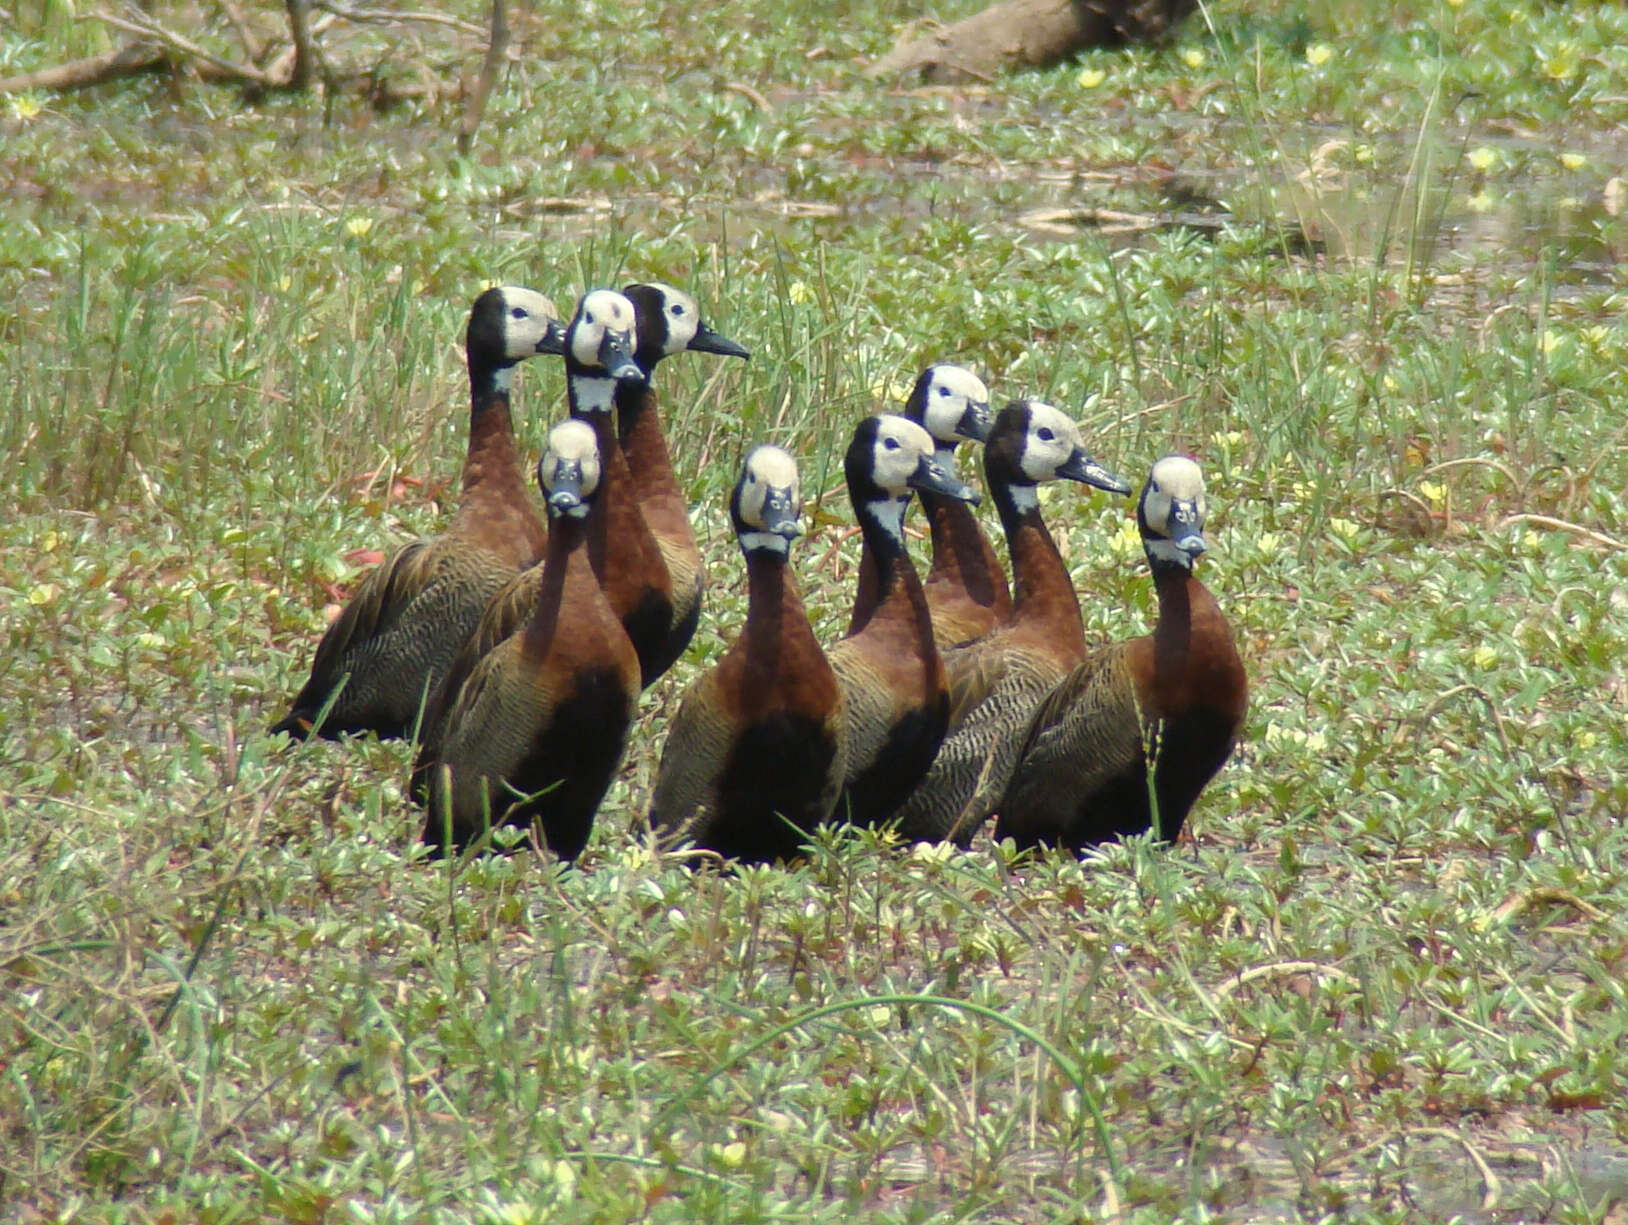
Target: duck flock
x=515 y=647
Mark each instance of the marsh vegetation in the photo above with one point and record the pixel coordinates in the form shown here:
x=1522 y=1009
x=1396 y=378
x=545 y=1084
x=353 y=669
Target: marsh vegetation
x=1369 y=268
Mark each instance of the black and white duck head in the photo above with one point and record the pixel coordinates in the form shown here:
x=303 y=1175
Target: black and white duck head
x=569 y=469
x=888 y=459
x=768 y=503
x=951 y=403
x=599 y=346
x=1171 y=514
x=1033 y=442
x=669 y=322
x=508 y=324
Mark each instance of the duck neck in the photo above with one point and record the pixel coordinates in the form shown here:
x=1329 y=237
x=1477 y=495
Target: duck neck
x=492 y=460
x=635 y=402
x=766 y=584
x=960 y=552
x=893 y=589
x=638 y=429
x=565 y=562
x=1040 y=583
x=591 y=398
x=947 y=518
x=776 y=640
x=1173 y=635
x=1190 y=622
x=771 y=597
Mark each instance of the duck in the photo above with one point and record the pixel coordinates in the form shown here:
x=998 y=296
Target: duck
x=395 y=638
x=598 y=350
x=537 y=731
x=669 y=322
x=965 y=585
x=996 y=681
x=888 y=665
x=756 y=754
x=1078 y=772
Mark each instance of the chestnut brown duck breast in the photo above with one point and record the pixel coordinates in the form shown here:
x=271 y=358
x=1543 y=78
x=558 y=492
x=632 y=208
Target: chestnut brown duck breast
x=756 y=754
x=537 y=731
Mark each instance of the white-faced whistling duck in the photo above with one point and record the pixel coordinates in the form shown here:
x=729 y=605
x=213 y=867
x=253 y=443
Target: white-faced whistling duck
x=669 y=323
x=391 y=644
x=537 y=731
x=891 y=676
x=755 y=756
x=996 y=681
x=598 y=351
x=965 y=585
x=1176 y=697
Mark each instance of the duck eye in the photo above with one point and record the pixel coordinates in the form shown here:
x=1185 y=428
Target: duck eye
x=517 y=312
x=892 y=444
x=943 y=391
x=1045 y=434
x=588 y=319
x=678 y=308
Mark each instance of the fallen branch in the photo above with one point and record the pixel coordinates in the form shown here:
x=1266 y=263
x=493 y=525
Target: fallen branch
x=385 y=17
x=244 y=72
x=127 y=61
x=1523 y=902
x=1426 y=517
x=282 y=68
x=750 y=94
x=1016 y=34
x=271 y=64
x=1275 y=969
x=1066 y=222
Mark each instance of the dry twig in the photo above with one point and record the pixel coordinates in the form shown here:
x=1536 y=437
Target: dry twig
x=299 y=29
x=1277 y=968
x=149 y=30
x=385 y=17
x=1560 y=525
x=267 y=66
x=252 y=46
x=497 y=45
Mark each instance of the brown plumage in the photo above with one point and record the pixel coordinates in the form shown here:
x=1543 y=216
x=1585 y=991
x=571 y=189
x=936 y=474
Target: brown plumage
x=643 y=547
x=755 y=756
x=537 y=731
x=891 y=676
x=1077 y=771
x=598 y=351
x=996 y=681
x=396 y=637
x=965 y=586
x=669 y=322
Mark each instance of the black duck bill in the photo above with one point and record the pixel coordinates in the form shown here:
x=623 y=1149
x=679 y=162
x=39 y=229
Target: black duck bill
x=1081 y=467
x=930 y=476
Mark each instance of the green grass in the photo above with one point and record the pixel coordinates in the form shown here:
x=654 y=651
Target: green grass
x=1383 y=982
